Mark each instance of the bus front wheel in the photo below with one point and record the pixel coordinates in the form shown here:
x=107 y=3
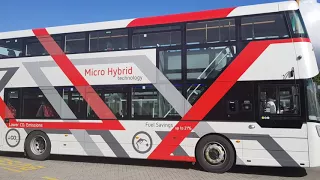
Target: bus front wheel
x=38 y=146
x=215 y=154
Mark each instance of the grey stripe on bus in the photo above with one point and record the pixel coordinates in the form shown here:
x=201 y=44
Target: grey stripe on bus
x=270 y=145
x=161 y=83
x=203 y=128
x=179 y=151
x=239 y=161
x=78 y=134
x=59 y=104
x=49 y=91
x=163 y=134
x=7 y=76
x=193 y=135
x=112 y=142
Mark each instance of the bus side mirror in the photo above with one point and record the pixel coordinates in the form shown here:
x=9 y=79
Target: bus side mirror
x=291 y=73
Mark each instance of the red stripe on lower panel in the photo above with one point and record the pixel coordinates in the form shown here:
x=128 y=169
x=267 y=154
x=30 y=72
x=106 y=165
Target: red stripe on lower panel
x=80 y=83
x=183 y=17
x=210 y=98
x=105 y=125
x=179 y=158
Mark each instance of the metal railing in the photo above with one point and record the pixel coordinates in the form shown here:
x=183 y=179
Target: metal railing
x=227 y=51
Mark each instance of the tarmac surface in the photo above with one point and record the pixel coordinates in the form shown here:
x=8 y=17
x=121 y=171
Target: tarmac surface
x=13 y=166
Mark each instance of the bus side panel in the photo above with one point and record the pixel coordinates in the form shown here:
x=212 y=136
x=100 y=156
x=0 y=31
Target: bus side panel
x=314 y=144
x=263 y=146
x=12 y=138
x=269 y=142
x=307 y=65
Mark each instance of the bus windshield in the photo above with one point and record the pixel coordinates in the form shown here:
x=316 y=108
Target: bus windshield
x=313 y=97
x=297 y=24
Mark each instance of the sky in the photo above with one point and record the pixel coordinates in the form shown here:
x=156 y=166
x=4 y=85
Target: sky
x=29 y=14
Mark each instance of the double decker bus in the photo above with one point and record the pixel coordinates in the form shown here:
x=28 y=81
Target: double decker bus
x=218 y=87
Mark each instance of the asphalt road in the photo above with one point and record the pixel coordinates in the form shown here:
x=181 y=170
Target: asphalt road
x=16 y=167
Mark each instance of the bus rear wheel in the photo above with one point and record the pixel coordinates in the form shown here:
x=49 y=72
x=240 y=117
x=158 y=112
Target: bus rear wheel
x=38 y=146
x=215 y=154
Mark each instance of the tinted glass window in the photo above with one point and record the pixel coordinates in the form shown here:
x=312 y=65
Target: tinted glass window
x=75 y=43
x=170 y=64
x=289 y=101
x=279 y=100
x=313 y=96
x=211 y=31
x=108 y=40
x=116 y=102
x=13 y=103
x=263 y=27
x=148 y=38
x=208 y=63
x=36 y=105
x=195 y=91
x=75 y=101
x=10 y=48
x=35 y=48
x=268 y=100
x=297 y=24
x=148 y=103
x=157 y=29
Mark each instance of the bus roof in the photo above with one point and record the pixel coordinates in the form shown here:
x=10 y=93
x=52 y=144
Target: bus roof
x=165 y=19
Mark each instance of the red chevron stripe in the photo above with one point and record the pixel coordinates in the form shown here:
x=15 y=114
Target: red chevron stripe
x=183 y=17
x=80 y=83
x=211 y=97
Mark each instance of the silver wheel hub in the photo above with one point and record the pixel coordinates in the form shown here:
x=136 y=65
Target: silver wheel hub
x=38 y=145
x=215 y=153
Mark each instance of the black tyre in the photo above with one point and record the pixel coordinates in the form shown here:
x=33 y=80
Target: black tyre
x=38 y=146
x=215 y=154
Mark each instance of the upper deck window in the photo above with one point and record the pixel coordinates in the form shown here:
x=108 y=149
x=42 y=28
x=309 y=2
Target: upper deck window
x=170 y=64
x=208 y=62
x=35 y=48
x=211 y=31
x=10 y=48
x=108 y=40
x=75 y=43
x=156 y=37
x=297 y=24
x=263 y=27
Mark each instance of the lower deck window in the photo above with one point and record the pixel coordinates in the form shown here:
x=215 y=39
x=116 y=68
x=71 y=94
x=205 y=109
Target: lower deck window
x=279 y=100
x=35 y=105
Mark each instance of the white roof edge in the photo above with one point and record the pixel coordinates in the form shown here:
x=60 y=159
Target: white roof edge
x=115 y=24
x=239 y=11
x=90 y=26
x=264 y=8
x=288 y=6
